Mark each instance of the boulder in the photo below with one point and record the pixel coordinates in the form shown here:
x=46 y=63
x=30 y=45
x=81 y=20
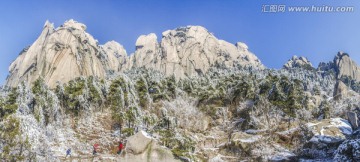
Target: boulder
x=348 y=151
x=330 y=131
x=244 y=141
x=142 y=147
x=138 y=143
x=353 y=120
x=326 y=135
x=283 y=157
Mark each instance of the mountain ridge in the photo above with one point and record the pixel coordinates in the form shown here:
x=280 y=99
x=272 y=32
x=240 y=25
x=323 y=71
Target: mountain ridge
x=189 y=97
x=183 y=52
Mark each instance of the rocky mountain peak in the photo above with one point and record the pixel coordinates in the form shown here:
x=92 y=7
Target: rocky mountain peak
x=189 y=51
x=298 y=62
x=74 y=24
x=62 y=54
x=48 y=24
x=115 y=55
x=242 y=46
x=222 y=114
x=345 y=66
x=146 y=41
x=115 y=48
x=188 y=31
x=67 y=52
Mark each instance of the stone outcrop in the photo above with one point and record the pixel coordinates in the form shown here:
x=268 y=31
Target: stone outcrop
x=326 y=135
x=298 y=62
x=330 y=130
x=142 y=147
x=116 y=55
x=189 y=51
x=345 y=66
x=244 y=140
x=340 y=90
x=353 y=120
x=342 y=66
x=348 y=151
x=62 y=54
x=67 y=52
x=147 y=52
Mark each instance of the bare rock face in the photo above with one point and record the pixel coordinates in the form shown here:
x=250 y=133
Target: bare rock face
x=345 y=66
x=340 y=90
x=330 y=130
x=141 y=147
x=353 y=120
x=67 y=52
x=348 y=151
x=116 y=55
x=147 y=51
x=189 y=51
x=297 y=62
x=62 y=54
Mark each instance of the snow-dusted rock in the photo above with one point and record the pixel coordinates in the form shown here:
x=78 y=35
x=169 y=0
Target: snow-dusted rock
x=147 y=52
x=348 y=151
x=345 y=66
x=190 y=51
x=330 y=130
x=244 y=140
x=217 y=158
x=297 y=62
x=283 y=157
x=340 y=90
x=67 y=52
x=137 y=143
x=60 y=55
x=353 y=120
x=142 y=147
x=116 y=55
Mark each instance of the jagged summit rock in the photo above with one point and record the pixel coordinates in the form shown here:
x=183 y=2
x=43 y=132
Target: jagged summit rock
x=147 y=50
x=62 y=54
x=67 y=52
x=345 y=66
x=116 y=55
x=298 y=62
x=74 y=25
x=189 y=51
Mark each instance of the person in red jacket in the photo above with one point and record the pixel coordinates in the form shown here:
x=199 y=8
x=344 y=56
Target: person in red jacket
x=120 y=147
x=95 y=147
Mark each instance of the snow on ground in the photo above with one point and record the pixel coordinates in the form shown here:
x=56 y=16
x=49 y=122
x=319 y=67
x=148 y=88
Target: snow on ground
x=146 y=134
x=332 y=130
x=343 y=125
x=331 y=127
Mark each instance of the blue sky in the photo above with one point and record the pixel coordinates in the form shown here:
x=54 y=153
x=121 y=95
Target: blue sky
x=273 y=37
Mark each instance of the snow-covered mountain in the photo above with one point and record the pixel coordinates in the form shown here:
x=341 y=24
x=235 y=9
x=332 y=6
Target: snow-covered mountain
x=189 y=97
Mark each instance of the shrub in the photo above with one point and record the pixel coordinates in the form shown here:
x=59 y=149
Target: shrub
x=9 y=105
x=14 y=147
x=142 y=90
